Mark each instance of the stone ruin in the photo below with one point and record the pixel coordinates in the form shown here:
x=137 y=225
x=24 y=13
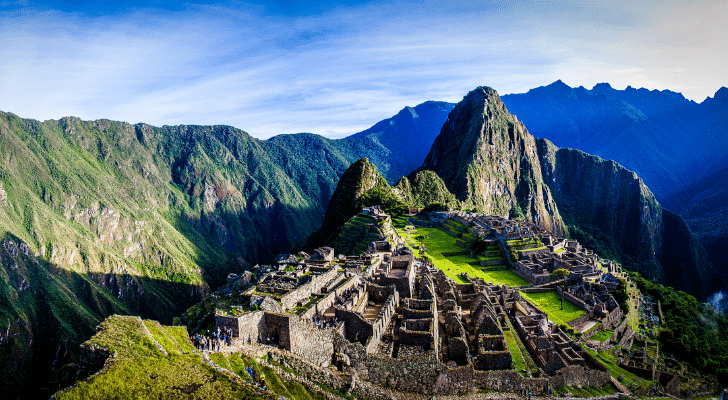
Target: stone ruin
x=402 y=323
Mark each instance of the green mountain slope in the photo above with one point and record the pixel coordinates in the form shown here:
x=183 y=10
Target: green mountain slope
x=152 y=217
x=360 y=186
x=423 y=188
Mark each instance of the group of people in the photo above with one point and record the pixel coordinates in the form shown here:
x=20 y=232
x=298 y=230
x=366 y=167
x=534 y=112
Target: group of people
x=323 y=323
x=212 y=343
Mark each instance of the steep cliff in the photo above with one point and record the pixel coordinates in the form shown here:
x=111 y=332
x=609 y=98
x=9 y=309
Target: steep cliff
x=489 y=161
x=609 y=209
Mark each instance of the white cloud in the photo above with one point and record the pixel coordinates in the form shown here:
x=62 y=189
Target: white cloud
x=338 y=72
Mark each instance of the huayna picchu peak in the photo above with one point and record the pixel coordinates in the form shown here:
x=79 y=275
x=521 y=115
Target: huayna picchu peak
x=399 y=262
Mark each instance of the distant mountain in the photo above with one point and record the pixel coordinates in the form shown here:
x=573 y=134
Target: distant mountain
x=398 y=145
x=679 y=147
x=644 y=131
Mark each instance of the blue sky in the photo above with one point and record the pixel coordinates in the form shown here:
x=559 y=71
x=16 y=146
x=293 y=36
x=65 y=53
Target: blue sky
x=336 y=68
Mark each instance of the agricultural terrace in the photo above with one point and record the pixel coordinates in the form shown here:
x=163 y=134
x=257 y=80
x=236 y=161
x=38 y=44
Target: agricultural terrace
x=437 y=242
x=629 y=380
x=550 y=303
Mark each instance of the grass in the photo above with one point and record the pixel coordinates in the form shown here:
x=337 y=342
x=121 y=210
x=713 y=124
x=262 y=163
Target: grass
x=156 y=378
x=603 y=335
x=273 y=382
x=630 y=380
x=179 y=334
x=125 y=336
x=141 y=371
x=550 y=303
x=518 y=363
x=238 y=366
x=438 y=242
x=163 y=337
x=221 y=360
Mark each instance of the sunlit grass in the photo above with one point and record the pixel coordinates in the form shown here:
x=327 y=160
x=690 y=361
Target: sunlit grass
x=550 y=303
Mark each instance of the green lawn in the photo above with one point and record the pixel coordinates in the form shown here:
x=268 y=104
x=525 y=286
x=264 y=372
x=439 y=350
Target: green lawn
x=504 y=276
x=550 y=303
x=518 y=362
x=438 y=242
x=603 y=335
x=141 y=371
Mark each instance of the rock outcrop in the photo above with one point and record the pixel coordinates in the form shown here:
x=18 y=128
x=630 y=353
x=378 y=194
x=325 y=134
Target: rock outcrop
x=487 y=158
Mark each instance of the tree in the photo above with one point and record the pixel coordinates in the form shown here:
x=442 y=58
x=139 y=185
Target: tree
x=478 y=245
x=559 y=274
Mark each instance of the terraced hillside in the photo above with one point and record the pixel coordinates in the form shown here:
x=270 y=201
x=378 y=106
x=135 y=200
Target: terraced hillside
x=359 y=231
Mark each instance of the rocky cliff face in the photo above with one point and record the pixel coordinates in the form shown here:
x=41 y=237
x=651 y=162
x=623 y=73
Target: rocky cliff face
x=489 y=161
x=611 y=210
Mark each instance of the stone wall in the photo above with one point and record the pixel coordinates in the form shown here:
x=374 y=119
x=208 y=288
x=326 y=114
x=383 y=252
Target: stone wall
x=383 y=319
x=303 y=292
x=577 y=375
x=417 y=332
x=578 y=302
x=509 y=381
x=356 y=328
x=322 y=305
x=310 y=372
x=227 y=322
x=311 y=343
x=413 y=374
x=250 y=325
x=579 y=320
x=408 y=313
x=494 y=360
x=277 y=325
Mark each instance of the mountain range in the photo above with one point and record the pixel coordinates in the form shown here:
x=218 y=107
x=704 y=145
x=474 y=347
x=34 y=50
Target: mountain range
x=103 y=217
x=677 y=146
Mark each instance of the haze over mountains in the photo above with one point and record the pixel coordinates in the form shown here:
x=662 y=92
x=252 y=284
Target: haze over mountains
x=105 y=217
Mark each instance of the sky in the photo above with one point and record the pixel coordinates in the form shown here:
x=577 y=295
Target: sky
x=336 y=68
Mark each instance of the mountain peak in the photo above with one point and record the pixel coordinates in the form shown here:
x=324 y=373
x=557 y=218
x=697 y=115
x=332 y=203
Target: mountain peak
x=486 y=159
x=555 y=88
x=602 y=88
x=721 y=94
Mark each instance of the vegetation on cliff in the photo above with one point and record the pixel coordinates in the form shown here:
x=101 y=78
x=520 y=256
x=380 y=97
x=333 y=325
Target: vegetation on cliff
x=691 y=330
x=423 y=188
x=360 y=186
x=488 y=160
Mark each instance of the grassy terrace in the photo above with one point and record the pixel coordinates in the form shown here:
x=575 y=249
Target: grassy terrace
x=437 y=242
x=630 y=380
x=518 y=363
x=550 y=303
x=521 y=358
x=588 y=391
x=603 y=335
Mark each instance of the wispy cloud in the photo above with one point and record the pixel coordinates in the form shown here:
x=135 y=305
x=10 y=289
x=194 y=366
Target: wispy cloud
x=333 y=70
